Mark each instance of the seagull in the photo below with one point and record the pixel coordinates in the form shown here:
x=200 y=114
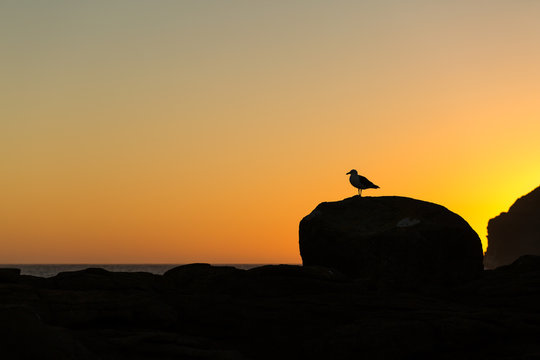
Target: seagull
x=360 y=182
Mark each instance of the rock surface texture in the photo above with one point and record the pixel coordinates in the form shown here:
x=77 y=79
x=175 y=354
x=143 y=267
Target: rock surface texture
x=516 y=232
x=391 y=239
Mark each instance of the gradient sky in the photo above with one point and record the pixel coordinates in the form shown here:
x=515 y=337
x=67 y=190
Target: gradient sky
x=203 y=131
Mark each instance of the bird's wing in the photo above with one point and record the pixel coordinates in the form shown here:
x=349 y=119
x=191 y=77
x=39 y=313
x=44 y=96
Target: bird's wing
x=365 y=182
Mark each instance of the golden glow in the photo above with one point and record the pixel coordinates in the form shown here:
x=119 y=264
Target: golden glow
x=204 y=131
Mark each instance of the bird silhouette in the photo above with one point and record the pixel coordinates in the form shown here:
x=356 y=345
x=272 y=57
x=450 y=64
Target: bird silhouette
x=360 y=182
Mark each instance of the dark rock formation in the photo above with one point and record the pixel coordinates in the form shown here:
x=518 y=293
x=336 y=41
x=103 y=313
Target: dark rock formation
x=24 y=336
x=391 y=239
x=200 y=276
x=201 y=311
x=516 y=232
x=101 y=279
x=9 y=274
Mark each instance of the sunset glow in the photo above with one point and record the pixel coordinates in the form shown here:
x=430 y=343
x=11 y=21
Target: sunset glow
x=203 y=131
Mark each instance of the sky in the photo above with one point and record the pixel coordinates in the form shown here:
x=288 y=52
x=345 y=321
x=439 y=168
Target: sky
x=203 y=131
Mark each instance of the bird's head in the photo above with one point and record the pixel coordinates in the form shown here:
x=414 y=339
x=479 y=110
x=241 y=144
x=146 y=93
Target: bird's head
x=352 y=172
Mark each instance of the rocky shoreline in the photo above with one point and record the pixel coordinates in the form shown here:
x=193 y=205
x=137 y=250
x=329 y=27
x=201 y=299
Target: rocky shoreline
x=382 y=278
x=200 y=311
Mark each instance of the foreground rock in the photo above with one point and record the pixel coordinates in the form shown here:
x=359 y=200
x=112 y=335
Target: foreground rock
x=9 y=274
x=24 y=336
x=200 y=311
x=391 y=239
x=516 y=232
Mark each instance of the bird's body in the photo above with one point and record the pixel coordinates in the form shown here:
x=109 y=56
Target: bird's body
x=360 y=182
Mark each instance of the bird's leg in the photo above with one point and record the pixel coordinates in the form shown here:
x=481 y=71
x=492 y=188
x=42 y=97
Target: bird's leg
x=360 y=192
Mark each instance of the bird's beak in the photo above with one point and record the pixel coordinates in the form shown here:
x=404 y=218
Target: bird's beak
x=348 y=173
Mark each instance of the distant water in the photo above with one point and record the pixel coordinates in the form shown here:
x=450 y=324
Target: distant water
x=48 y=270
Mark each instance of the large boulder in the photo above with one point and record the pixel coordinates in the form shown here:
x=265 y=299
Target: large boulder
x=391 y=239
x=516 y=232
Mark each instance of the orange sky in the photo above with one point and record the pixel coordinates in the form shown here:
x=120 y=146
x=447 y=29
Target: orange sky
x=189 y=131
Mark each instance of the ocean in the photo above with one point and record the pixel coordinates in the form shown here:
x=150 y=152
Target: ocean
x=48 y=270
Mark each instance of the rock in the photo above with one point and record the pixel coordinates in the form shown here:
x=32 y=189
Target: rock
x=9 y=274
x=98 y=278
x=295 y=271
x=164 y=345
x=24 y=336
x=515 y=233
x=518 y=282
x=200 y=276
x=525 y=263
x=196 y=271
x=106 y=308
x=275 y=280
x=271 y=312
x=263 y=281
x=100 y=297
x=394 y=239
